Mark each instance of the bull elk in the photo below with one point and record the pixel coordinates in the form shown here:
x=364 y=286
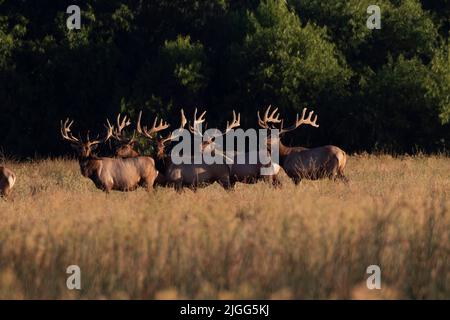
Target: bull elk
x=126 y=147
x=189 y=175
x=300 y=162
x=246 y=172
x=7 y=181
x=121 y=174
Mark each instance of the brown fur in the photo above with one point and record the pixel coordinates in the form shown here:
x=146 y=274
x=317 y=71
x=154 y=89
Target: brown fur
x=7 y=181
x=193 y=175
x=126 y=151
x=248 y=173
x=119 y=174
x=303 y=163
x=122 y=174
x=316 y=163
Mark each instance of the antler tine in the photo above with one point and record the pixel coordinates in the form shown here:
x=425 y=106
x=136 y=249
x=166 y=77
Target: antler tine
x=110 y=127
x=155 y=127
x=109 y=134
x=196 y=122
x=138 y=124
x=66 y=131
x=235 y=123
x=173 y=136
x=269 y=117
x=161 y=126
x=272 y=117
x=260 y=122
x=308 y=120
x=183 y=119
x=121 y=124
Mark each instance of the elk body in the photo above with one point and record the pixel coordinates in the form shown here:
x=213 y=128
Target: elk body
x=7 y=181
x=303 y=163
x=250 y=173
x=189 y=175
x=126 y=145
x=121 y=174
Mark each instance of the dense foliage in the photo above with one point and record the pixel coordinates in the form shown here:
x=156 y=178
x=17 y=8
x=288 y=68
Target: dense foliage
x=386 y=89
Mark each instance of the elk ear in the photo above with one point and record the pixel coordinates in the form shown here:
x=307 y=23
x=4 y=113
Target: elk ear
x=93 y=147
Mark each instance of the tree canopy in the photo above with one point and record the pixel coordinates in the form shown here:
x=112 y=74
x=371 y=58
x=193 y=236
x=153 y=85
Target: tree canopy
x=374 y=90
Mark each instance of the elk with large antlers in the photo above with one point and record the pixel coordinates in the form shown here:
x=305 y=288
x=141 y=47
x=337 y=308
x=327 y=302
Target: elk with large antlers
x=190 y=174
x=7 y=181
x=303 y=163
x=126 y=147
x=242 y=168
x=110 y=173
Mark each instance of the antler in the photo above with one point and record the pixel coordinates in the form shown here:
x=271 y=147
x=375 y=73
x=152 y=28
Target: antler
x=234 y=124
x=121 y=124
x=194 y=129
x=173 y=136
x=264 y=123
x=66 y=132
x=155 y=128
x=109 y=134
x=300 y=121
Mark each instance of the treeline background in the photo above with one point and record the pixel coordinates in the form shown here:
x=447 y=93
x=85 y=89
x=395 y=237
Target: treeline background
x=374 y=90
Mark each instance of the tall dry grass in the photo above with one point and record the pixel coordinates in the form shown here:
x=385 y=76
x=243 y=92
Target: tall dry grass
x=311 y=241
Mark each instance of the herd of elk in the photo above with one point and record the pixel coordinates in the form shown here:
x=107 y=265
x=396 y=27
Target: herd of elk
x=128 y=169
x=192 y=175
x=241 y=171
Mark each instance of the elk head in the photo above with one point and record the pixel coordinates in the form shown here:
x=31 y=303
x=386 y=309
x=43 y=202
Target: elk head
x=84 y=148
x=162 y=142
x=126 y=144
x=150 y=134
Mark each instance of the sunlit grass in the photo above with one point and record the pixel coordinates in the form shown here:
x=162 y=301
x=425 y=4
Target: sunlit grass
x=311 y=241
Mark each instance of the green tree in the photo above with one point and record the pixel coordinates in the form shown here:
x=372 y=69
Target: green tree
x=439 y=88
x=404 y=99
x=287 y=64
x=176 y=77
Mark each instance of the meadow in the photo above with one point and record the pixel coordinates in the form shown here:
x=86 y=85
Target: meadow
x=312 y=241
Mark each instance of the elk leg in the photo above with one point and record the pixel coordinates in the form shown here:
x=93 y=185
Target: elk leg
x=276 y=183
x=342 y=178
x=225 y=183
x=296 y=180
x=5 y=193
x=149 y=183
x=267 y=179
x=178 y=186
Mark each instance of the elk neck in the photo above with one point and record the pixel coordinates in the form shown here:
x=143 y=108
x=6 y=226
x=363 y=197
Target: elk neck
x=89 y=165
x=163 y=160
x=285 y=151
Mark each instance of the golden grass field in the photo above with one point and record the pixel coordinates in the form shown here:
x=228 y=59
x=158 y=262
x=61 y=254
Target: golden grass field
x=311 y=241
